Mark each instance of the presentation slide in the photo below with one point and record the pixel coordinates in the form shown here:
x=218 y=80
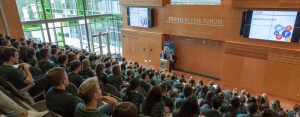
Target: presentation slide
x=139 y=17
x=273 y=25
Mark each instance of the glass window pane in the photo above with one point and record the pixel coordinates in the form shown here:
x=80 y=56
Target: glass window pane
x=62 y=8
x=97 y=7
x=29 y=10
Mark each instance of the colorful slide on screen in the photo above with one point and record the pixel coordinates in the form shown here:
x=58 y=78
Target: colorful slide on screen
x=273 y=25
x=139 y=17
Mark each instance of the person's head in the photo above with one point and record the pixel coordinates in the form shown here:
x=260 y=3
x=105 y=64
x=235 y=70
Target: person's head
x=243 y=92
x=201 y=82
x=235 y=102
x=189 y=108
x=216 y=102
x=107 y=64
x=164 y=87
x=267 y=113
x=243 y=99
x=29 y=43
x=153 y=96
x=252 y=108
x=10 y=55
x=209 y=95
x=181 y=80
x=86 y=64
x=23 y=53
x=31 y=52
x=265 y=97
x=54 y=51
x=187 y=91
x=116 y=71
x=123 y=66
x=44 y=53
x=16 y=44
x=248 y=95
x=7 y=43
x=81 y=57
x=162 y=76
x=99 y=68
x=75 y=66
x=260 y=100
x=140 y=70
x=221 y=95
x=125 y=109
x=276 y=106
x=58 y=77
x=218 y=90
x=71 y=57
x=252 y=99
x=296 y=107
x=129 y=73
x=89 y=91
x=145 y=76
x=134 y=84
x=204 y=91
x=62 y=59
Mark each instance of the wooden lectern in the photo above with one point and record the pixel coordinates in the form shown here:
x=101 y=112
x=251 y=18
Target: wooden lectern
x=165 y=65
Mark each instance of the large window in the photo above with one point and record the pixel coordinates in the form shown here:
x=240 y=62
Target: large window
x=74 y=23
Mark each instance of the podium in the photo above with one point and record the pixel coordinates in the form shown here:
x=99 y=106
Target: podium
x=165 y=65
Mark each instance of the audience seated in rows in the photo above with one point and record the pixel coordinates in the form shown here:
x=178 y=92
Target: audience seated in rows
x=163 y=92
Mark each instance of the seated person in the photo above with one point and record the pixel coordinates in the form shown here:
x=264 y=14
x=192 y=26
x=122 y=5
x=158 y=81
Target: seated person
x=20 y=77
x=167 y=100
x=107 y=67
x=125 y=109
x=129 y=75
x=86 y=71
x=152 y=104
x=145 y=81
x=216 y=104
x=132 y=95
x=54 y=55
x=251 y=110
x=45 y=64
x=296 y=108
x=31 y=56
x=74 y=77
x=63 y=61
x=178 y=103
x=189 y=108
x=58 y=99
x=115 y=79
x=179 y=85
x=100 y=74
x=90 y=92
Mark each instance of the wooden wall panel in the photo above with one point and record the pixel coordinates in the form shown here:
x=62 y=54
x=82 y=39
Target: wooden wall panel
x=261 y=76
x=199 y=55
x=232 y=75
x=2 y=25
x=11 y=15
x=141 y=45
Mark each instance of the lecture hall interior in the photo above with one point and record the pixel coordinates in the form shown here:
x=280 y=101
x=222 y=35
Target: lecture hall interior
x=150 y=58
